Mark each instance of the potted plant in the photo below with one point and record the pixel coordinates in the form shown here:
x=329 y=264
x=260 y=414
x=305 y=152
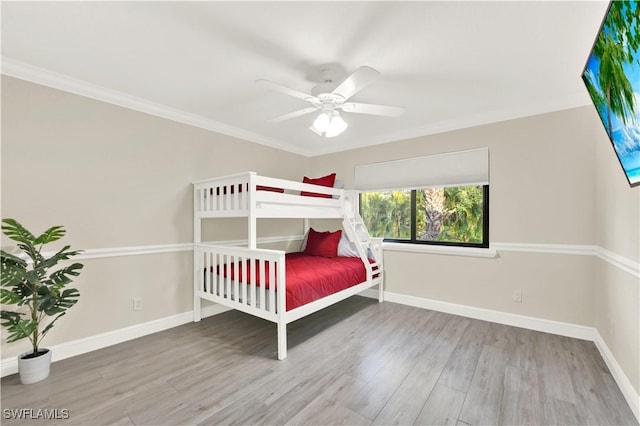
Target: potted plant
x=39 y=293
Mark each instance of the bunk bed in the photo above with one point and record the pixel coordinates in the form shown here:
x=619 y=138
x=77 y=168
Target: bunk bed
x=271 y=284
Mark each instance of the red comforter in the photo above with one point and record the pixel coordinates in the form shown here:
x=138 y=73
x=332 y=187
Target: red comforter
x=311 y=278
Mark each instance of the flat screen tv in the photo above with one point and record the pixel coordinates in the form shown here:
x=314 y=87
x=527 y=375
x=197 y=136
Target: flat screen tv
x=612 y=78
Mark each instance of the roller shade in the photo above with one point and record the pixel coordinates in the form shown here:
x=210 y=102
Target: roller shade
x=461 y=168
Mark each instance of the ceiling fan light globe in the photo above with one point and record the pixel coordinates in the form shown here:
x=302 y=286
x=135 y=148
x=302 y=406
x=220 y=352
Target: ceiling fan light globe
x=337 y=126
x=321 y=123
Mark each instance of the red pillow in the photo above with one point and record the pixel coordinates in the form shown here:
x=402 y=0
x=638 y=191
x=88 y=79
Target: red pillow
x=323 y=243
x=328 y=180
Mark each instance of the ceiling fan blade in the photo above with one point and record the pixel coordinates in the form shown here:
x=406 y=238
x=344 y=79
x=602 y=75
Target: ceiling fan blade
x=385 y=110
x=360 y=78
x=293 y=114
x=284 y=89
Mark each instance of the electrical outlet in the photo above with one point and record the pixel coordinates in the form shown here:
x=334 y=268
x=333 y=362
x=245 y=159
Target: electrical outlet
x=137 y=304
x=517 y=296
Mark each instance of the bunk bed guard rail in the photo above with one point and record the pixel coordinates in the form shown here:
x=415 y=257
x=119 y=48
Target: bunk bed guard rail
x=249 y=280
x=241 y=194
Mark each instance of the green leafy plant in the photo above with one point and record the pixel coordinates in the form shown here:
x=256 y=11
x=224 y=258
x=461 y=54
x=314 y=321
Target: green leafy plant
x=30 y=283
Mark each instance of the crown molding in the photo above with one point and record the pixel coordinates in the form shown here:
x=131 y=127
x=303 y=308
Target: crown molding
x=490 y=117
x=33 y=74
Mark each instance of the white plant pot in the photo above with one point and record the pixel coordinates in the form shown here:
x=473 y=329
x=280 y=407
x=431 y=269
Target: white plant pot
x=33 y=370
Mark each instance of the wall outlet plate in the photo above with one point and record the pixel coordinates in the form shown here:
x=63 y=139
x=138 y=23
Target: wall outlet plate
x=517 y=296
x=137 y=304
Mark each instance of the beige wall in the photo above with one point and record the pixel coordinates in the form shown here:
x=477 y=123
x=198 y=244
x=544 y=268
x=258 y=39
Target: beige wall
x=554 y=180
x=115 y=177
x=118 y=178
x=617 y=211
x=617 y=317
x=554 y=287
x=617 y=313
x=541 y=173
x=541 y=177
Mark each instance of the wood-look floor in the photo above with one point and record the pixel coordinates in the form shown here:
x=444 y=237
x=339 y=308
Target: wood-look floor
x=357 y=362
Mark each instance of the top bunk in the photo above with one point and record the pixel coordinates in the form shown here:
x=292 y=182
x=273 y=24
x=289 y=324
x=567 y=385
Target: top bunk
x=251 y=195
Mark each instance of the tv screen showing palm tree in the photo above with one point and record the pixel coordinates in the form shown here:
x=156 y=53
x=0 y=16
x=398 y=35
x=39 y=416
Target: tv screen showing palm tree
x=612 y=77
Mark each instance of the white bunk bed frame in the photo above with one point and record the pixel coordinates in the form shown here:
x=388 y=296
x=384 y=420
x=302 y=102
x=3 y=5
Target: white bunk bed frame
x=237 y=196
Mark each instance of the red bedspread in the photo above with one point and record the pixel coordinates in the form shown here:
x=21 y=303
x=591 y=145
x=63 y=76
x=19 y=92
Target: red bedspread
x=311 y=278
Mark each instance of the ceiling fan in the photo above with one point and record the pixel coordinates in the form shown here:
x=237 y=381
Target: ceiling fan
x=331 y=95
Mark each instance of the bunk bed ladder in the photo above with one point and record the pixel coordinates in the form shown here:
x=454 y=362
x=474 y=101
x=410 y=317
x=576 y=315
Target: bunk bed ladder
x=358 y=234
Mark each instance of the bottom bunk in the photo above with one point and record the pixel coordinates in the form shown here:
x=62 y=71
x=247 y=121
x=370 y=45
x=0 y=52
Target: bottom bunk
x=260 y=282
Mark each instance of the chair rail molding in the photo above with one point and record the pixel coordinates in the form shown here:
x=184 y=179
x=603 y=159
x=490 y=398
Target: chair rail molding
x=625 y=264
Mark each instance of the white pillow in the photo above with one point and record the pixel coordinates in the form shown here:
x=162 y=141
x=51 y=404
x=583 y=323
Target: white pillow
x=346 y=248
x=338 y=184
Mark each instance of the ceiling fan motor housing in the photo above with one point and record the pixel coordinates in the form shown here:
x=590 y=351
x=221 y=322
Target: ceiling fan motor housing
x=323 y=89
x=329 y=101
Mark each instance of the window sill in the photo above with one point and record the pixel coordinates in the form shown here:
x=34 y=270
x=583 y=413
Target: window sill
x=444 y=250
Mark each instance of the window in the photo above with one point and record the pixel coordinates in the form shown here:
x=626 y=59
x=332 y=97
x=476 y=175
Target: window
x=444 y=201
x=457 y=216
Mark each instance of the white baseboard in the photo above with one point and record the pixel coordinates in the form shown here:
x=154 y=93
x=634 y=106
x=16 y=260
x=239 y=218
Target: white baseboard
x=531 y=323
x=627 y=389
x=9 y=365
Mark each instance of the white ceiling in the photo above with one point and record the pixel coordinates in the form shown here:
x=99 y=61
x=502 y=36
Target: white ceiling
x=449 y=64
